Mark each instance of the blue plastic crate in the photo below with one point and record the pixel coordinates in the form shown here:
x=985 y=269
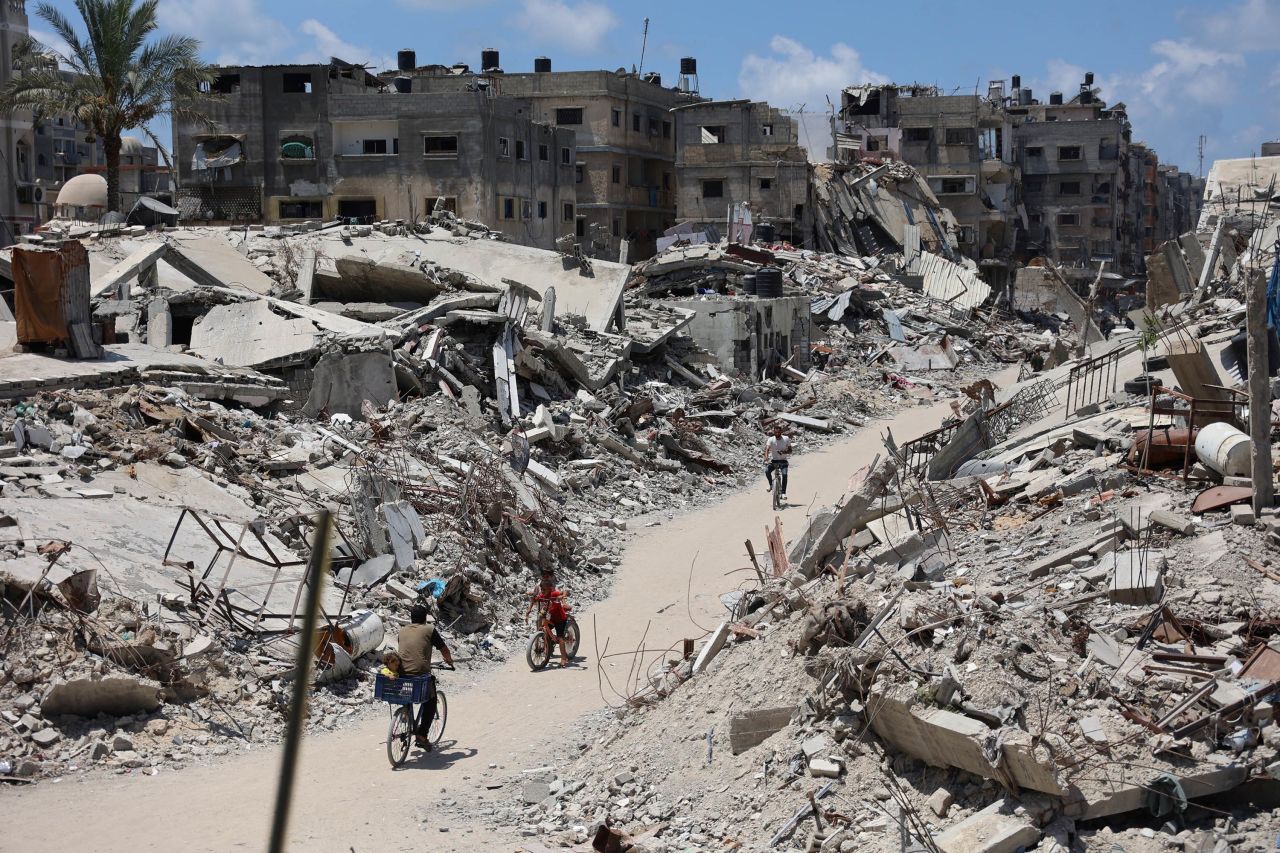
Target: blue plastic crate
x=404 y=690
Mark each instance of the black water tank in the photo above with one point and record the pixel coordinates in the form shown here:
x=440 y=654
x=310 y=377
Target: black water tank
x=403 y=84
x=1016 y=83
x=749 y=284
x=542 y=64
x=768 y=282
x=1086 y=96
x=766 y=232
x=1055 y=98
x=1088 y=78
x=489 y=59
x=688 y=65
x=1239 y=350
x=406 y=60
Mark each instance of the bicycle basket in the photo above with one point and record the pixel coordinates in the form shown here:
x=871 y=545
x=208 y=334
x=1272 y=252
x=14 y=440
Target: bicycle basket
x=408 y=689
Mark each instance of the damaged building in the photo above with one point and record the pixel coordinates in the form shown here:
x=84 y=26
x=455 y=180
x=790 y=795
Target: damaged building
x=318 y=142
x=742 y=153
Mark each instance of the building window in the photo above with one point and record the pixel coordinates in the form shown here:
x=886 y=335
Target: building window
x=1100 y=247
x=301 y=210
x=520 y=150
x=666 y=180
x=916 y=134
x=446 y=202
x=615 y=116
x=617 y=227
x=440 y=146
x=766 y=130
x=508 y=208
x=568 y=212
x=226 y=84
x=713 y=134
x=526 y=210
x=653 y=127
x=616 y=174
x=635 y=122
x=1068 y=152
x=296 y=83
x=578 y=174
x=1034 y=151
x=666 y=130
x=1033 y=184
x=542 y=210
x=959 y=136
x=1068 y=219
x=297 y=147
x=957 y=185
x=504 y=147
x=1068 y=188
x=966 y=234
x=766 y=183
x=566 y=156
x=544 y=153
x=713 y=189
x=569 y=115
x=580 y=226
x=1034 y=219
x=374 y=146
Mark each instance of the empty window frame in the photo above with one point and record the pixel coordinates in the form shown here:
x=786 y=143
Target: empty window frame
x=635 y=122
x=226 y=84
x=504 y=146
x=959 y=136
x=917 y=134
x=617 y=227
x=526 y=210
x=712 y=134
x=1068 y=188
x=544 y=153
x=1068 y=219
x=579 y=173
x=953 y=185
x=542 y=210
x=567 y=212
x=615 y=117
x=297 y=147
x=440 y=146
x=579 y=225
x=616 y=174
x=296 y=83
x=520 y=155
x=1068 y=152
x=569 y=115
x=1033 y=184
x=666 y=130
x=654 y=127
x=508 y=208
x=301 y=210
x=1034 y=151
x=766 y=130
x=713 y=189
x=374 y=146
x=766 y=183
x=966 y=234
x=446 y=202
x=566 y=156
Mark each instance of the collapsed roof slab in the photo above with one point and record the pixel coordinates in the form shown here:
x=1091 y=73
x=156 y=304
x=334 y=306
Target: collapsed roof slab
x=595 y=295
x=250 y=334
x=361 y=278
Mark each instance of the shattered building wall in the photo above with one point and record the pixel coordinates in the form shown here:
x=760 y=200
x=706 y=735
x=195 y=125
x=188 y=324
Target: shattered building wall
x=18 y=213
x=323 y=141
x=625 y=152
x=733 y=152
x=748 y=335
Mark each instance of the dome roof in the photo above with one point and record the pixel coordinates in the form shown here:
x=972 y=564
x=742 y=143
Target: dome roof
x=84 y=191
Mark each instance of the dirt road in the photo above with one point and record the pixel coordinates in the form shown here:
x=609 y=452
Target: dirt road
x=348 y=799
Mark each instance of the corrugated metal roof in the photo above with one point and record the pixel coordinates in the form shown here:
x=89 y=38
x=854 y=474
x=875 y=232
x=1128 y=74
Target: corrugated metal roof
x=952 y=283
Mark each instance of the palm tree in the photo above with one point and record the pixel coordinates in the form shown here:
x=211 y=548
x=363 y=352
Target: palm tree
x=112 y=80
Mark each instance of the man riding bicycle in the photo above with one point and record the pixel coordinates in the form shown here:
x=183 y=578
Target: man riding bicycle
x=546 y=595
x=416 y=643
x=777 y=450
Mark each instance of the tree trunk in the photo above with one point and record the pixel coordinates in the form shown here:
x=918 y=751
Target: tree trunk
x=111 y=145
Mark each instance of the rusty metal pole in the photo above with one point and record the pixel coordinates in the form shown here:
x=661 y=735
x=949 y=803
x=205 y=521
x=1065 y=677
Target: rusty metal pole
x=317 y=568
x=1259 y=393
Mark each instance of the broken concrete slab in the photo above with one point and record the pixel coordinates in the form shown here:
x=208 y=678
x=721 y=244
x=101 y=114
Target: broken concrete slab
x=754 y=727
x=341 y=382
x=212 y=262
x=250 y=334
x=1173 y=521
x=995 y=829
x=1137 y=576
x=711 y=647
x=88 y=697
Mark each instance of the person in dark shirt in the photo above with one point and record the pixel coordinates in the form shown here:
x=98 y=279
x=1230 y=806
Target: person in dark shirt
x=416 y=643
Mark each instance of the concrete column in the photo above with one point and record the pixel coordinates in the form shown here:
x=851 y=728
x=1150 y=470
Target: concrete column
x=1259 y=393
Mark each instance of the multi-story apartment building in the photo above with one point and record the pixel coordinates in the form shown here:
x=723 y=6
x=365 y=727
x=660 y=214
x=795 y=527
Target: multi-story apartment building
x=625 y=151
x=18 y=188
x=730 y=153
x=296 y=142
x=962 y=144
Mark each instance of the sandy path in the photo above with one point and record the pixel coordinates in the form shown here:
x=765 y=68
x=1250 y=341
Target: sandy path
x=348 y=798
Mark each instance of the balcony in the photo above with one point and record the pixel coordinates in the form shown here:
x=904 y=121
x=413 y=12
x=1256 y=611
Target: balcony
x=650 y=197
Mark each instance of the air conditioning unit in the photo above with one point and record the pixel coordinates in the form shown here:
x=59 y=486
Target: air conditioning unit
x=31 y=194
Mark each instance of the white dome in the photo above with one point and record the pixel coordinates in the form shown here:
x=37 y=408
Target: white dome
x=84 y=191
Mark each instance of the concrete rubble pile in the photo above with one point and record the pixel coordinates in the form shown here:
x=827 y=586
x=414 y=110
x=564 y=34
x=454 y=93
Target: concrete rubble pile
x=469 y=427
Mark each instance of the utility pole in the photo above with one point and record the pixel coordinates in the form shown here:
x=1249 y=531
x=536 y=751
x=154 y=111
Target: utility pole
x=1259 y=392
x=1200 y=147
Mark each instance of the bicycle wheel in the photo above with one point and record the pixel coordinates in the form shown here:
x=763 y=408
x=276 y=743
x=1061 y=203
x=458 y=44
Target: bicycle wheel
x=572 y=637
x=436 y=729
x=777 y=490
x=398 y=735
x=539 y=652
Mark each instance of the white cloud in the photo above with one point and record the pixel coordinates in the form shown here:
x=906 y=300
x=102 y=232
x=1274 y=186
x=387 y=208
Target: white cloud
x=441 y=5
x=580 y=28
x=1254 y=25
x=793 y=74
x=328 y=44
x=231 y=32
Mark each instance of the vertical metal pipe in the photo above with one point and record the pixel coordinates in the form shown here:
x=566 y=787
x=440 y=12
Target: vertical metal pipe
x=317 y=568
x=1259 y=393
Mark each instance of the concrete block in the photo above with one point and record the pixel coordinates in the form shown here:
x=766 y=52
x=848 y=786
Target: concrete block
x=940 y=801
x=46 y=738
x=1091 y=728
x=995 y=829
x=1173 y=521
x=535 y=792
x=1243 y=514
x=1077 y=483
x=824 y=768
x=753 y=727
x=815 y=746
x=1137 y=577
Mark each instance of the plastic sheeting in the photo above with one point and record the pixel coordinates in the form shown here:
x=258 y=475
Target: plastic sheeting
x=213 y=155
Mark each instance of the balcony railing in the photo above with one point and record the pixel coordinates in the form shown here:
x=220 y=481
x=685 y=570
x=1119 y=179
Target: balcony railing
x=650 y=197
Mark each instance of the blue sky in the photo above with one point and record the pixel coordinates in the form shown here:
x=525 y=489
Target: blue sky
x=1183 y=69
